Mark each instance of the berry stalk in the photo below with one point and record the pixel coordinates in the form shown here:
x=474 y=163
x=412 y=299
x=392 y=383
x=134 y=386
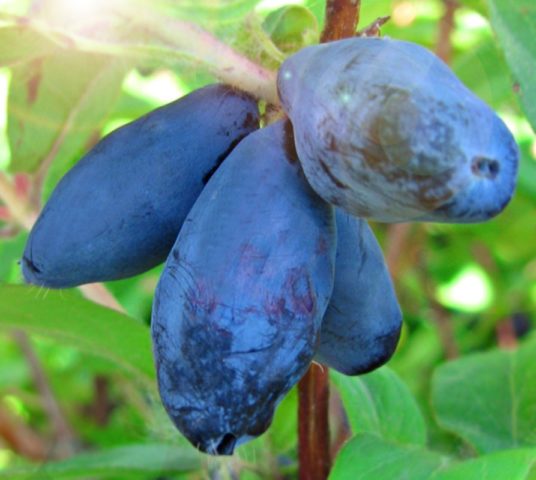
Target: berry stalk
x=342 y=17
x=169 y=38
x=313 y=424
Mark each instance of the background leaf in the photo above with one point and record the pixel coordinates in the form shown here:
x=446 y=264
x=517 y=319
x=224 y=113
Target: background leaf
x=10 y=251
x=380 y=403
x=489 y=399
x=153 y=459
x=210 y=11
x=66 y=317
x=56 y=104
x=510 y=464
x=483 y=69
x=292 y=28
x=515 y=25
x=20 y=44
x=366 y=457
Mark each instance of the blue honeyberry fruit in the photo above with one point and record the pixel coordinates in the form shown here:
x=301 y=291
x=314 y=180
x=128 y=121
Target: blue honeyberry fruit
x=118 y=211
x=238 y=308
x=385 y=130
x=361 y=326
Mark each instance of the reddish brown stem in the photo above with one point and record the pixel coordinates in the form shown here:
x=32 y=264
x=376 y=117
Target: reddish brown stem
x=65 y=439
x=440 y=315
x=398 y=237
x=446 y=26
x=102 y=406
x=374 y=29
x=342 y=17
x=313 y=427
x=506 y=335
x=21 y=438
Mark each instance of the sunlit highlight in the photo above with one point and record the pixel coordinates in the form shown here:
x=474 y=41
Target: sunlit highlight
x=5 y=153
x=519 y=126
x=84 y=9
x=470 y=290
x=533 y=294
x=404 y=13
x=471 y=29
x=472 y=20
x=5 y=458
x=267 y=5
x=159 y=88
x=16 y=406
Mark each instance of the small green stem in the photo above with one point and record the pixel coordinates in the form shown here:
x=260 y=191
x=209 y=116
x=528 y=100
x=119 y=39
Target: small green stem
x=177 y=39
x=226 y=63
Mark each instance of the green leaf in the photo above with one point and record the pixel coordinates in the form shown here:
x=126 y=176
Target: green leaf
x=9 y=256
x=248 y=475
x=510 y=464
x=20 y=44
x=210 y=11
x=291 y=28
x=488 y=399
x=527 y=170
x=152 y=459
x=66 y=317
x=367 y=456
x=317 y=8
x=283 y=432
x=56 y=103
x=380 y=403
x=482 y=69
x=477 y=5
x=515 y=25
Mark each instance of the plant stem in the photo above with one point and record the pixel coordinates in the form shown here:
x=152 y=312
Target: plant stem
x=313 y=389
x=446 y=26
x=226 y=63
x=342 y=17
x=63 y=433
x=313 y=425
x=178 y=39
x=440 y=315
x=21 y=438
x=396 y=247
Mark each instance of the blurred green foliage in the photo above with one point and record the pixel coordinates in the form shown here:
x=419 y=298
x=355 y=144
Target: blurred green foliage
x=467 y=291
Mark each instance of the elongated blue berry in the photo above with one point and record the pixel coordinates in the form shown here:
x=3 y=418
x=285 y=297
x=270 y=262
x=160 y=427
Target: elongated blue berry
x=385 y=130
x=239 y=305
x=117 y=212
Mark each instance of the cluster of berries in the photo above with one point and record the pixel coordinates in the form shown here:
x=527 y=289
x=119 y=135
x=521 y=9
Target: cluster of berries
x=270 y=261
